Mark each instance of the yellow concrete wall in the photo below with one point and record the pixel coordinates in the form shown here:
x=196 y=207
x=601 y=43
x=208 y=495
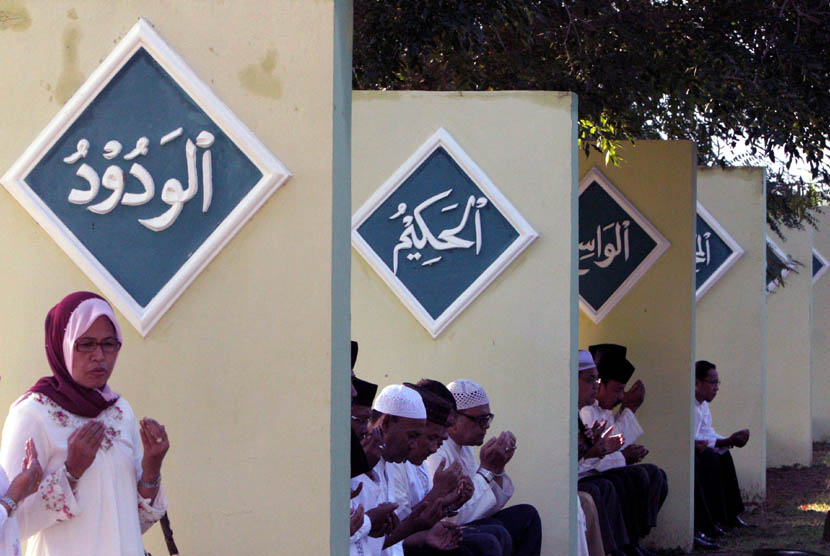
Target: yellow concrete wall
x=730 y=324
x=240 y=369
x=518 y=337
x=821 y=335
x=656 y=319
x=789 y=359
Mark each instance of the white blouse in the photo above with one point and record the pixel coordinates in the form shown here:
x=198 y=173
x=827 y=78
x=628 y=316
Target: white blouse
x=106 y=515
x=9 y=541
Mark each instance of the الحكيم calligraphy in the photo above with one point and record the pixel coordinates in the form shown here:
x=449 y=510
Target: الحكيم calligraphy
x=172 y=193
x=602 y=252
x=445 y=240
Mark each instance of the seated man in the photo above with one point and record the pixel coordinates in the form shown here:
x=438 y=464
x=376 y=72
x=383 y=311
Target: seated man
x=493 y=487
x=717 y=494
x=398 y=420
x=415 y=484
x=646 y=484
x=602 y=488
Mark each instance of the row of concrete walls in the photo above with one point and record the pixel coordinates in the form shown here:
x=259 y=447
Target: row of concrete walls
x=730 y=326
x=821 y=334
x=518 y=338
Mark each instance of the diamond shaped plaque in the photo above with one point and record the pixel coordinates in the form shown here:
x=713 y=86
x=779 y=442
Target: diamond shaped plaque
x=778 y=264
x=715 y=251
x=820 y=265
x=438 y=232
x=617 y=245
x=144 y=176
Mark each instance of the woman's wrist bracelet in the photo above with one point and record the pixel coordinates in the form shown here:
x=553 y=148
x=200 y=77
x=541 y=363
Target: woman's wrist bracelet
x=7 y=500
x=72 y=478
x=150 y=484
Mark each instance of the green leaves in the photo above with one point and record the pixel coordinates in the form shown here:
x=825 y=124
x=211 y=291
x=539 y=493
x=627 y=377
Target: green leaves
x=717 y=72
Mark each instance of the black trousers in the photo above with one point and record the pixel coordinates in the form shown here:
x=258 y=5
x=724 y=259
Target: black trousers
x=717 y=493
x=611 y=522
x=525 y=528
x=642 y=489
x=490 y=539
x=513 y=531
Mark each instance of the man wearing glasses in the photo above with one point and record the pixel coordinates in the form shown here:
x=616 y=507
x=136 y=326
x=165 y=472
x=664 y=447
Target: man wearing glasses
x=493 y=487
x=717 y=494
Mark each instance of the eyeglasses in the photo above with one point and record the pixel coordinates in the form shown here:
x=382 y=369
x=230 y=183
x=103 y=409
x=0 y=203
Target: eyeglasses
x=713 y=382
x=360 y=420
x=108 y=345
x=481 y=420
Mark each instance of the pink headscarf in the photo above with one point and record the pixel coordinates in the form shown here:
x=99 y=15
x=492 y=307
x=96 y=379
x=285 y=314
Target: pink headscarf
x=65 y=323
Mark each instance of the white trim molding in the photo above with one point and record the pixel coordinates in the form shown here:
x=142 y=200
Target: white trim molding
x=786 y=259
x=274 y=174
x=662 y=244
x=526 y=234
x=737 y=251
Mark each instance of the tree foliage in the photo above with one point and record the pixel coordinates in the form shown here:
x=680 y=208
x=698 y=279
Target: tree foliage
x=746 y=76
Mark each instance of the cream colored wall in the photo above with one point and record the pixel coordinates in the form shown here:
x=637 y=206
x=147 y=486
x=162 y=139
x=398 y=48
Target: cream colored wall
x=656 y=319
x=240 y=369
x=517 y=338
x=821 y=335
x=789 y=340
x=730 y=324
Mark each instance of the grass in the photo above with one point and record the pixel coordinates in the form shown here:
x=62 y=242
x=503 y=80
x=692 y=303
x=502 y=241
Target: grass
x=798 y=499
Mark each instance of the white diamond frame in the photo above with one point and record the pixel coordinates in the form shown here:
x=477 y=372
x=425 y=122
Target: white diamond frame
x=662 y=244
x=442 y=138
x=737 y=251
x=824 y=265
x=787 y=262
x=274 y=174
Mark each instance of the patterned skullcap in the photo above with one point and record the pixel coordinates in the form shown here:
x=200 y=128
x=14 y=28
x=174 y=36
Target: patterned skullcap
x=586 y=361
x=467 y=394
x=398 y=400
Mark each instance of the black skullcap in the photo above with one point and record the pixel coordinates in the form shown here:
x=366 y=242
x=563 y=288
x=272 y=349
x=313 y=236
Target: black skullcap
x=365 y=392
x=438 y=389
x=438 y=410
x=611 y=362
x=354 y=353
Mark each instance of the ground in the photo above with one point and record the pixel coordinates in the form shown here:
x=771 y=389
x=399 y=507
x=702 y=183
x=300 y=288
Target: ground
x=798 y=499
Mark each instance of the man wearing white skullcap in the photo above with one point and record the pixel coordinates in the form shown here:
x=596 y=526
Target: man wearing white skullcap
x=398 y=420
x=493 y=487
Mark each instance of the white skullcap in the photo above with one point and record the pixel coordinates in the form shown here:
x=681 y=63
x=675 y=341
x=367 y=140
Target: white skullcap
x=400 y=401
x=467 y=394
x=586 y=361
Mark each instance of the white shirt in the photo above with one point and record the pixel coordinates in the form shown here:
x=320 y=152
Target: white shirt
x=487 y=498
x=377 y=489
x=581 y=530
x=703 y=426
x=624 y=423
x=412 y=484
x=106 y=515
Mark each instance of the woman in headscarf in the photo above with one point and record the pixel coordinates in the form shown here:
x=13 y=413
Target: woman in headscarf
x=102 y=469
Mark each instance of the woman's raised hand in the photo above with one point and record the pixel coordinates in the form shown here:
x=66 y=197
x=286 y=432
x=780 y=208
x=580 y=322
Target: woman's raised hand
x=82 y=447
x=155 y=441
x=28 y=479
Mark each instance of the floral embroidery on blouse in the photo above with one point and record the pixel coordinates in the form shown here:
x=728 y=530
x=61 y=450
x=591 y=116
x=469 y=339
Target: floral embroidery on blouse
x=52 y=493
x=110 y=436
x=112 y=414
